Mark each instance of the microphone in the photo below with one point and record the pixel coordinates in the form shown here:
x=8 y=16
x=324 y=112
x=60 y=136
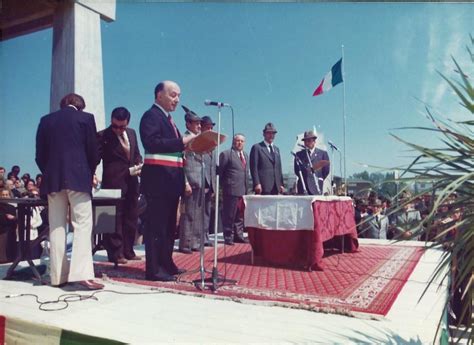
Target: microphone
x=332 y=145
x=298 y=160
x=216 y=104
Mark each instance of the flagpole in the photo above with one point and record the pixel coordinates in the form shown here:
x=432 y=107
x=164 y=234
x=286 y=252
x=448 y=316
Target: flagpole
x=344 y=118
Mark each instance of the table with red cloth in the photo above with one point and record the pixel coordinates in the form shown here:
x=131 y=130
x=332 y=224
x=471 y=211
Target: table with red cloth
x=291 y=230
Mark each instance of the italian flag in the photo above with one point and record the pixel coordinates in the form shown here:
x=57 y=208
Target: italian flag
x=15 y=331
x=331 y=79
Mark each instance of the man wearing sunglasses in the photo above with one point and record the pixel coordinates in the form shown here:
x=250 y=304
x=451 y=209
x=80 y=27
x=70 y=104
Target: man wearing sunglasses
x=118 y=148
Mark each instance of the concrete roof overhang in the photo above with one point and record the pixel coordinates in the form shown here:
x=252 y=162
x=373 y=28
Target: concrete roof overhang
x=21 y=17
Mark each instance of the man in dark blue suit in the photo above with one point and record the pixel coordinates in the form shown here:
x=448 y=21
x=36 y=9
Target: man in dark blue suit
x=265 y=164
x=162 y=180
x=67 y=155
x=305 y=160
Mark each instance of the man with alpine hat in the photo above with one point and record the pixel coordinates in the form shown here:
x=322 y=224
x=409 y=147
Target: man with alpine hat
x=313 y=163
x=265 y=164
x=191 y=222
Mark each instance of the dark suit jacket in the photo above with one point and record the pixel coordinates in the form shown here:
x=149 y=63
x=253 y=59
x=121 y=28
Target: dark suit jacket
x=157 y=135
x=115 y=174
x=264 y=169
x=234 y=177
x=8 y=247
x=316 y=156
x=66 y=151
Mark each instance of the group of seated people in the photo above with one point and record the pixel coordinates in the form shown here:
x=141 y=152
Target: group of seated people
x=14 y=186
x=19 y=187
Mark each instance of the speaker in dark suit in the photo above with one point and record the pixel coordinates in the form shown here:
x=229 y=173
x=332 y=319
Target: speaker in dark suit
x=162 y=180
x=304 y=162
x=120 y=154
x=67 y=155
x=234 y=174
x=265 y=164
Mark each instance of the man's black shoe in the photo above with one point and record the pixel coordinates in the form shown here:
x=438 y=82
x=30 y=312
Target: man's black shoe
x=60 y=285
x=185 y=250
x=229 y=242
x=177 y=271
x=134 y=258
x=161 y=278
x=121 y=261
x=209 y=244
x=239 y=239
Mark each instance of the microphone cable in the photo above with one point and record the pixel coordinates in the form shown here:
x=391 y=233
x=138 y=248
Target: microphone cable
x=65 y=299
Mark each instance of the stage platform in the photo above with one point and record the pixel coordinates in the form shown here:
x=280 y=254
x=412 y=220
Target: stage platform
x=163 y=317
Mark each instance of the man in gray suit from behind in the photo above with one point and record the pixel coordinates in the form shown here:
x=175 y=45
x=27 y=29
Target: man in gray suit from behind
x=265 y=164
x=191 y=222
x=234 y=173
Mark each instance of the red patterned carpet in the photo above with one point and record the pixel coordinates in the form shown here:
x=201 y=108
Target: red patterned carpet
x=367 y=281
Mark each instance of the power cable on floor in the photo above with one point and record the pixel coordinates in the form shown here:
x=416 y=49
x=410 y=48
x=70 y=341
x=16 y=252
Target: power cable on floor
x=64 y=299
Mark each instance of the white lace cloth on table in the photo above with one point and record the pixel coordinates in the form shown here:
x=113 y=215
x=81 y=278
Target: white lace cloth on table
x=282 y=212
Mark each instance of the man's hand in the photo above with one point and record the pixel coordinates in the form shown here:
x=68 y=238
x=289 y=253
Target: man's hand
x=95 y=182
x=188 y=138
x=282 y=190
x=135 y=170
x=10 y=216
x=258 y=189
x=188 y=190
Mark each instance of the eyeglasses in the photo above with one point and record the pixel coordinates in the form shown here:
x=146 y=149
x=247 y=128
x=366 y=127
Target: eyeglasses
x=119 y=127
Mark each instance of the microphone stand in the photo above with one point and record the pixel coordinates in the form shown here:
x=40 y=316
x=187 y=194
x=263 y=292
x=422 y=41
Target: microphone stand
x=215 y=278
x=202 y=269
x=334 y=148
x=332 y=169
x=312 y=171
x=300 y=173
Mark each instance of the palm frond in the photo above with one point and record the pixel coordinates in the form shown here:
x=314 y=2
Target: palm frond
x=450 y=170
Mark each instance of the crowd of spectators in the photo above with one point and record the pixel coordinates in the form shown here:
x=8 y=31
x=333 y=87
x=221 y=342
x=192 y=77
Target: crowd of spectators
x=19 y=187
x=405 y=219
x=13 y=186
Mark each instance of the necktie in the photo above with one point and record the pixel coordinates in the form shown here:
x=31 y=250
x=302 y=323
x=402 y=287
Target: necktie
x=126 y=146
x=271 y=151
x=242 y=159
x=170 y=119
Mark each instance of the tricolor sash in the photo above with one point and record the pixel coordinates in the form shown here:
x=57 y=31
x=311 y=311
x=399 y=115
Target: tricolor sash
x=174 y=159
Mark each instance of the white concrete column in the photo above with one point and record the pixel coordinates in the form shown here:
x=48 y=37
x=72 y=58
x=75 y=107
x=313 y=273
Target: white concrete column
x=77 y=58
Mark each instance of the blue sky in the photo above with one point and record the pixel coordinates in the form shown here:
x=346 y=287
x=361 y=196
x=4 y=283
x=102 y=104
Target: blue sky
x=265 y=59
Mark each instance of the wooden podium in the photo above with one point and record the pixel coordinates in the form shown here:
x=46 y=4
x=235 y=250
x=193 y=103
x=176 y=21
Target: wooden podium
x=205 y=142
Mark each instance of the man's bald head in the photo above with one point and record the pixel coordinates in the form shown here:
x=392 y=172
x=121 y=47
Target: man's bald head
x=167 y=95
